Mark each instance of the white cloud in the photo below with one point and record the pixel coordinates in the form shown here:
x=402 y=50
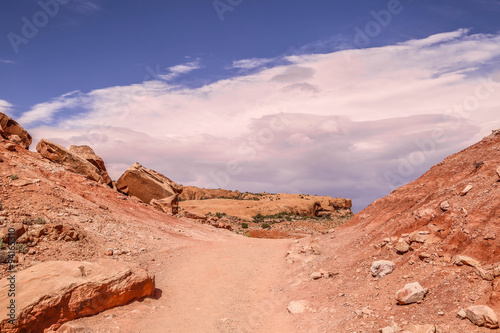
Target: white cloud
x=326 y=123
x=177 y=70
x=4 y=106
x=4 y=61
x=250 y=63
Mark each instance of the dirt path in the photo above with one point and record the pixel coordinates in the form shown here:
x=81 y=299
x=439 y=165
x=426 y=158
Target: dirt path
x=236 y=284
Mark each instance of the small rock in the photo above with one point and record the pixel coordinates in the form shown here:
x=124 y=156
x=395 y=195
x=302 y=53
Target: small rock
x=108 y=252
x=402 y=246
x=424 y=255
x=460 y=260
x=316 y=275
x=411 y=293
x=418 y=237
x=482 y=315
x=466 y=189
x=381 y=268
x=10 y=147
x=387 y=329
x=117 y=252
x=490 y=235
x=498 y=172
x=295 y=307
x=440 y=313
x=445 y=206
x=461 y=314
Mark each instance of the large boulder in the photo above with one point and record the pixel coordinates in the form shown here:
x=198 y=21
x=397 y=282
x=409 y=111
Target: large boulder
x=151 y=187
x=88 y=153
x=482 y=315
x=11 y=130
x=54 y=292
x=74 y=162
x=340 y=203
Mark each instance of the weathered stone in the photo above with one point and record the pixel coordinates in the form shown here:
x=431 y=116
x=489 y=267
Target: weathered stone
x=445 y=206
x=461 y=314
x=194 y=215
x=88 y=154
x=402 y=246
x=466 y=189
x=73 y=162
x=149 y=185
x=340 y=203
x=418 y=237
x=296 y=307
x=387 y=329
x=316 y=275
x=411 y=293
x=70 y=290
x=498 y=172
x=482 y=315
x=460 y=260
x=11 y=130
x=381 y=268
x=18 y=230
x=10 y=147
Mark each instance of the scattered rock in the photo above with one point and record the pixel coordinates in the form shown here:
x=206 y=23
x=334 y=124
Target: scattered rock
x=460 y=260
x=411 y=293
x=11 y=130
x=445 y=206
x=466 y=190
x=387 y=329
x=316 y=275
x=194 y=216
x=402 y=246
x=482 y=315
x=296 y=307
x=149 y=185
x=381 y=268
x=71 y=290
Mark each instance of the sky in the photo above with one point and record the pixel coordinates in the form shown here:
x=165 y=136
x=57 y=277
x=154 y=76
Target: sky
x=343 y=98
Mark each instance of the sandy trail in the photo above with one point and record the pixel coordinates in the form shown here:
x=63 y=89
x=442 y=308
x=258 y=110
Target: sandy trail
x=234 y=284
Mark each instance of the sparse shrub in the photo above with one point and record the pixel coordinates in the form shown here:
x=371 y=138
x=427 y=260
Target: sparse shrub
x=219 y=214
x=265 y=226
x=1 y=243
x=40 y=220
x=28 y=221
x=22 y=248
x=258 y=218
x=244 y=225
x=13 y=177
x=1 y=205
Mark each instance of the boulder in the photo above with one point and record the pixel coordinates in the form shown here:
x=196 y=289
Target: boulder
x=460 y=260
x=381 y=268
x=402 y=246
x=59 y=154
x=151 y=187
x=54 y=292
x=482 y=315
x=445 y=206
x=466 y=190
x=411 y=293
x=88 y=153
x=17 y=229
x=11 y=130
x=340 y=203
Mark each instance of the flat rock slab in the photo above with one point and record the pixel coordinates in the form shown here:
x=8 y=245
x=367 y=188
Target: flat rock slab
x=54 y=292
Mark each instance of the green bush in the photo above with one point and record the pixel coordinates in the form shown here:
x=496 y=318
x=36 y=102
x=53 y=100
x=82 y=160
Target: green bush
x=244 y=225
x=265 y=226
x=22 y=248
x=40 y=220
x=13 y=177
x=1 y=243
x=258 y=218
x=219 y=214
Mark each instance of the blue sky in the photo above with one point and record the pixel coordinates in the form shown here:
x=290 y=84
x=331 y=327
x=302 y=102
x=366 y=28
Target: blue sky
x=201 y=99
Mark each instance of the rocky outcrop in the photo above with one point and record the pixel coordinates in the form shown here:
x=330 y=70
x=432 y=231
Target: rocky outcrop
x=88 y=153
x=482 y=315
x=11 y=130
x=151 y=187
x=54 y=292
x=74 y=162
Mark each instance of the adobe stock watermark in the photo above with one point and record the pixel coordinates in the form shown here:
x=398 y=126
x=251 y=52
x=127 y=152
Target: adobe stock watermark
x=455 y=116
x=381 y=20
x=249 y=149
x=223 y=6
x=31 y=27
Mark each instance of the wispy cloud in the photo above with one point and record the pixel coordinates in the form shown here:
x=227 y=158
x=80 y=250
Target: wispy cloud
x=250 y=63
x=178 y=70
x=322 y=123
x=4 y=61
x=4 y=106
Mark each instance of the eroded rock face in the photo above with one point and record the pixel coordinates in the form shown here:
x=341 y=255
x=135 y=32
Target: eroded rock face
x=54 y=292
x=151 y=187
x=74 y=162
x=88 y=153
x=11 y=130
